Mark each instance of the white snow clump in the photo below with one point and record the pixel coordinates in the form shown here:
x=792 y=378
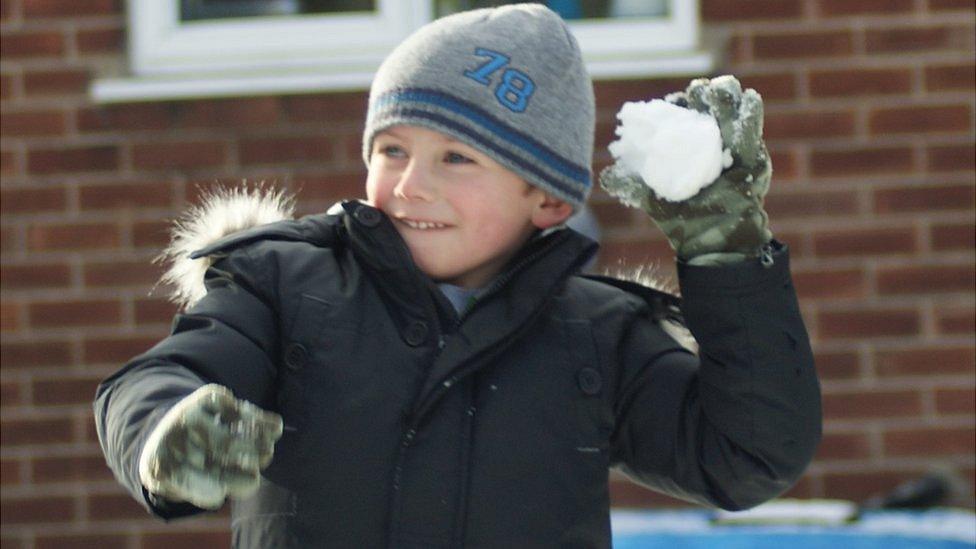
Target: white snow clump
x=676 y=151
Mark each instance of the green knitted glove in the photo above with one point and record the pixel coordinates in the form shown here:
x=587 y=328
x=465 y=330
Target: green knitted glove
x=725 y=222
x=210 y=445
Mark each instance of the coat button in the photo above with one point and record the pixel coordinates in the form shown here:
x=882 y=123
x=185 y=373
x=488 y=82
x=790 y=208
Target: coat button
x=295 y=356
x=369 y=217
x=590 y=381
x=415 y=334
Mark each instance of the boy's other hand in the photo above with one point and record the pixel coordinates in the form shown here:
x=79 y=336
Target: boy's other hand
x=725 y=221
x=209 y=446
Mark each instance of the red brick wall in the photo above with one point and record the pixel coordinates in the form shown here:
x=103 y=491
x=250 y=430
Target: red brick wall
x=870 y=123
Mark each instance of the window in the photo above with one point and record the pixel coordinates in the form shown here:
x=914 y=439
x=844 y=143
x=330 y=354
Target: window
x=200 y=48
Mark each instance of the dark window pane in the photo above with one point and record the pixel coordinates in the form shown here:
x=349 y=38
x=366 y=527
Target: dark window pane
x=196 y=10
x=570 y=9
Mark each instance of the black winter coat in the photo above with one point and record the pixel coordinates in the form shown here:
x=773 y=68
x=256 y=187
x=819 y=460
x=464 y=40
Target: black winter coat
x=408 y=427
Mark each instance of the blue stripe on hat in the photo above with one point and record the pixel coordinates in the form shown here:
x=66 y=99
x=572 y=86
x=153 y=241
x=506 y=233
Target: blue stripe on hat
x=572 y=191
x=488 y=122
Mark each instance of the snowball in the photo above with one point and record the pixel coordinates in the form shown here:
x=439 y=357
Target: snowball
x=676 y=151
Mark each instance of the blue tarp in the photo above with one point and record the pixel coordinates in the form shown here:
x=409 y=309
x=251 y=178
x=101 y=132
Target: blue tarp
x=695 y=529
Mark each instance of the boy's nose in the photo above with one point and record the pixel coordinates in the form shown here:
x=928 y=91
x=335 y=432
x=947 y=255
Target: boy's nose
x=415 y=184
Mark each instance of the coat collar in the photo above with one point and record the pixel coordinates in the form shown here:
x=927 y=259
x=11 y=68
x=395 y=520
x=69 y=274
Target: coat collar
x=501 y=314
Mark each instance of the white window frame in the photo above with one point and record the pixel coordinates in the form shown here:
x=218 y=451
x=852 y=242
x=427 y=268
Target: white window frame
x=170 y=59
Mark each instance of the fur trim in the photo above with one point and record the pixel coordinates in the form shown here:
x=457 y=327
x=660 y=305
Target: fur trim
x=647 y=275
x=222 y=212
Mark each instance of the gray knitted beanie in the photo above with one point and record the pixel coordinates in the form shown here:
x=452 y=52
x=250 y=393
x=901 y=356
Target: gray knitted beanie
x=508 y=81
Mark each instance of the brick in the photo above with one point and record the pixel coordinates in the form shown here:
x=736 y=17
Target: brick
x=939 y=5
x=784 y=204
x=961 y=321
x=837 y=365
x=925 y=361
x=186 y=540
x=834 y=8
x=951 y=77
x=785 y=164
x=33 y=200
x=930 y=441
x=62 y=81
x=74 y=159
x=802 y=45
x=916 y=119
x=864 y=242
x=929 y=279
x=9 y=165
x=285 y=149
x=10 y=316
x=115 y=350
x=859 y=82
x=817 y=284
x=610 y=96
x=151 y=234
x=72 y=236
x=33 y=123
x=34 y=276
x=861 y=486
x=154 y=311
x=8 y=83
x=326 y=107
x=135 y=116
x=873 y=404
x=80 y=541
x=75 y=313
x=923 y=199
x=10 y=472
x=232 y=112
x=862 y=323
x=331 y=187
x=35 y=354
x=953 y=237
x=175 y=156
x=65 y=390
x=946 y=158
x=913 y=40
x=18 y=432
x=73 y=468
x=25 y=44
x=807 y=125
x=125 y=196
x=843 y=446
x=773 y=86
x=34 y=9
x=861 y=161
x=140 y=273
x=101 y=40
x=40 y=509
x=717 y=11
x=115 y=507
x=950 y=401
x=10 y=395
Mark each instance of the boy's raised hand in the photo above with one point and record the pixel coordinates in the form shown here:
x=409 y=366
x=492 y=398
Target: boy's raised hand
x=725 y=221
x=210 y=445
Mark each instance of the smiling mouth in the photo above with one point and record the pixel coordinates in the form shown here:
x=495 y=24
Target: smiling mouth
x=422 y=225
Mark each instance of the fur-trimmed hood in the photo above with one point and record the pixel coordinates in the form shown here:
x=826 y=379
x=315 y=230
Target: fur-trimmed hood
x=226 y=211
x=221 y=212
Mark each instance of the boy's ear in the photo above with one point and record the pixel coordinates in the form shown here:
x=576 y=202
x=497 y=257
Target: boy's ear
x=551 y=212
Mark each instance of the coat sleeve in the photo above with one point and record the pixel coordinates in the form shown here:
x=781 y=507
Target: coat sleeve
x=738 y=424
x=229 y=337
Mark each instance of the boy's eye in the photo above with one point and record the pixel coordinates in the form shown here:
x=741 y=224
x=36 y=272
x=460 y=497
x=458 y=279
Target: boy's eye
x=392 y=151
x=457 y=158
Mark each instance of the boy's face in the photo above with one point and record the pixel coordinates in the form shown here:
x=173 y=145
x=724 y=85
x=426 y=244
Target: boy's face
x=462 y=215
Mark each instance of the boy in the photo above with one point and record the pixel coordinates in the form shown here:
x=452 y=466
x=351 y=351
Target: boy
x=438 y=374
